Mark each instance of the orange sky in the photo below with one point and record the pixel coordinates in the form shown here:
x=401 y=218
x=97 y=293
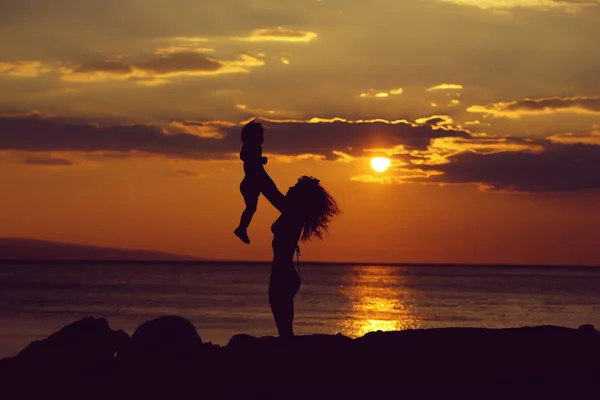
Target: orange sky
x=119 y=124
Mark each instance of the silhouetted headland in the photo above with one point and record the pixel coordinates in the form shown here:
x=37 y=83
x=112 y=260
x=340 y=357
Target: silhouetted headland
x=34 y=249
x=167 y=357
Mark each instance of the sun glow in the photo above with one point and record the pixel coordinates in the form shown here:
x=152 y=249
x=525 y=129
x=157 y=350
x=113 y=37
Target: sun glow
x=380 y=164
x=377 y=300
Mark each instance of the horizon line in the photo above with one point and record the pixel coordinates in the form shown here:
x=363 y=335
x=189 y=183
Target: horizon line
x=313 y=262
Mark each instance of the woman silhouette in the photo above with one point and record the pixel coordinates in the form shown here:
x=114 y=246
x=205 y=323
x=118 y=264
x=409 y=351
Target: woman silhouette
x=306 y=211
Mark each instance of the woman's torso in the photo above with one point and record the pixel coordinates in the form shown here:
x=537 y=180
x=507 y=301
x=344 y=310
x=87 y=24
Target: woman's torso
x=286 y=234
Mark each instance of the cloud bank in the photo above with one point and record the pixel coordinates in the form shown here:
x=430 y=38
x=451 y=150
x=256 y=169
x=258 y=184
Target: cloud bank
x=280 y=34
x=216 y=140
x=425 y=152
x=549 y=105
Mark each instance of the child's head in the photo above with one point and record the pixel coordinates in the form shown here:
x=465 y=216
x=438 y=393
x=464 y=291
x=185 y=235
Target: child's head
x=252 y=132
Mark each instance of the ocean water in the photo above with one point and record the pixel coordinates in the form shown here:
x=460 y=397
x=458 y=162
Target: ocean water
x=222 y=299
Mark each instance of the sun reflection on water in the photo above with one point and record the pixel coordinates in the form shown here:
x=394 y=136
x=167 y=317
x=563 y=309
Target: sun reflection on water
x=377 y=300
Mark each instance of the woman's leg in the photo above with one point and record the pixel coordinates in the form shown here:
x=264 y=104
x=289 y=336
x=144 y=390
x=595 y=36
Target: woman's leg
x=282 y=288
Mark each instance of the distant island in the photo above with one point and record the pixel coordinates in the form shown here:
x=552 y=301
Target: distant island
x=33 y=249
x=24 y=249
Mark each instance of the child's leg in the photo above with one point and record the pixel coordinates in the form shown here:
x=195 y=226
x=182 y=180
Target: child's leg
x=251 y=201
x=250 y=194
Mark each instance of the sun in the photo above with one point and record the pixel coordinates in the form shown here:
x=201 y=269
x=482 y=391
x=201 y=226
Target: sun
x=380 y=164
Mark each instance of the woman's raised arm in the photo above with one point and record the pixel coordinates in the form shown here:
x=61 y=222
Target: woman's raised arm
x=271 y=193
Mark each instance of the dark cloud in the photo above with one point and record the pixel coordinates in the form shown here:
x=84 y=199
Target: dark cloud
x=213 y=141
x=542 y=105
x=496 y=163
x=47 y=161
x=110 y=66
x=555 y=103
x=281 y=34
x=38 y=133
x=179 y=62
x=435 y=120
x=186 y=173
x=592 y=137
x=559 y=168
x=157 y=67
x=349 y=137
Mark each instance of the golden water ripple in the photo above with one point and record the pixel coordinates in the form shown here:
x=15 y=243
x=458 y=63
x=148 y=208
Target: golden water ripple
x=377 y=300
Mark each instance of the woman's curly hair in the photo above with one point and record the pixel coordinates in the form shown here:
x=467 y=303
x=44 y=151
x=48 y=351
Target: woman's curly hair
x=317 y=206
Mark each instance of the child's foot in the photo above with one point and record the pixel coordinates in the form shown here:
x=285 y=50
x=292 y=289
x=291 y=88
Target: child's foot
x=242 y=234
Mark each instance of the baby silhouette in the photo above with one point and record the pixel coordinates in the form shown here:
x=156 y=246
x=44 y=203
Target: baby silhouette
x=250 y=187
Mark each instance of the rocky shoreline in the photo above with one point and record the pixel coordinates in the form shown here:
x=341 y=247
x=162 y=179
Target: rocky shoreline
x=166 y=358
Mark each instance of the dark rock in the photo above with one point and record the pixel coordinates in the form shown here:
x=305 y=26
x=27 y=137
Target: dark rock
x=243 y=342
x=587 y=328
x=161 y=344
x=87 y=345
x=166 y=358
